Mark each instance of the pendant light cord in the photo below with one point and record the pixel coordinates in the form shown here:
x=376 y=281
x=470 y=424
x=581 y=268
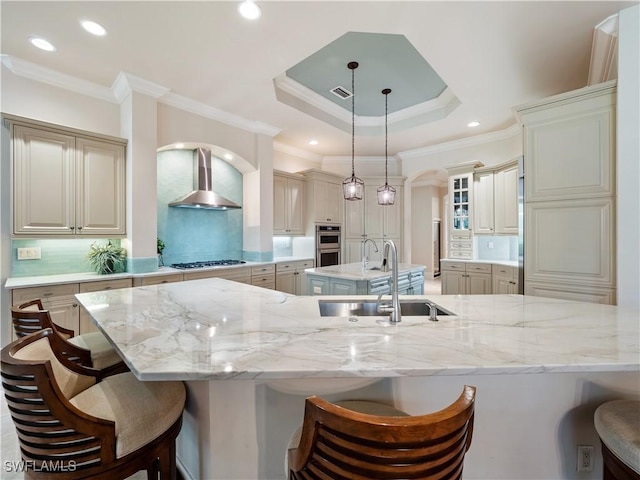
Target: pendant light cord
x=353 y=123
x=386 y=139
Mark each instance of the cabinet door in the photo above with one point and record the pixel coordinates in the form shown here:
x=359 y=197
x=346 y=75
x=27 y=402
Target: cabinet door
x=352 y=251
x=279 y=204
x=453 y=283
x=86 y=324
x=295 y=206
x=286 y=282
x=478 y=283
x=100 y=201
x=506 y=201
x=334 y=202
x=339 y=286
x=460 y=195
x=502 y=285
x=483 y=207
x=354 y=221
x=373 y=213
x=317 y=285
x=392 y=216
x=44 y=178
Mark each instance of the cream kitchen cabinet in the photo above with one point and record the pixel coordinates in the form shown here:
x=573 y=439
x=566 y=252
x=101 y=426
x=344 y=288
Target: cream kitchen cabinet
x=324 y=199
x=290 y=276
x=365 y=219
x=237 y=274
x=570 y=202
x=86 y=324
x=504 y=279
x=288 y=205
x=157 y=279
x=66 y=184
x=58 y=299
x=460 y=209
x=264 y=276
x=465 y=278
x=496 y=199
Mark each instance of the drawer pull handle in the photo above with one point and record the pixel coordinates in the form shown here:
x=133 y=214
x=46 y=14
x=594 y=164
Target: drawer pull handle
x=48 y=294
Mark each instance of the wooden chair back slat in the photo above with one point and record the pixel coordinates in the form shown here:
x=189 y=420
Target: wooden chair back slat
x=339 y=443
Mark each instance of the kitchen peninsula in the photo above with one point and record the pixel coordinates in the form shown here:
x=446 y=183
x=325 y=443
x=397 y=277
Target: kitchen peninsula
x=355 y=279
x=250 y=355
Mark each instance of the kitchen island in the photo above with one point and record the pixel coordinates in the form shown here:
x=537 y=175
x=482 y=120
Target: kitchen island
x=354 y=279
x=250 y=355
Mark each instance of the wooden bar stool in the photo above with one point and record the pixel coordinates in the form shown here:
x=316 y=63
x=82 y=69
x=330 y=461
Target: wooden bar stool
x=618 y=425
x=89 y=349
x=365 y=440
x=73 y=424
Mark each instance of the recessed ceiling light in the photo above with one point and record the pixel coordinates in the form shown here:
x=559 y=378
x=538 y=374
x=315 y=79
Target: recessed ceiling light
x=473 y=124
x=313 y=142
x=93 y=28
x=249 y=10
x=42 y=44
x=228 y=156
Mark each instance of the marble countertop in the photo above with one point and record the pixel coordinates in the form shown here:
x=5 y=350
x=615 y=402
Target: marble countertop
x=45 y=280
x=510 y=263
x=354 y=271
x=215 y=329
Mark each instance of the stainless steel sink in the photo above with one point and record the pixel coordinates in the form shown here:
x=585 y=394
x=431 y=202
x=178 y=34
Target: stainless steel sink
x=369 y=308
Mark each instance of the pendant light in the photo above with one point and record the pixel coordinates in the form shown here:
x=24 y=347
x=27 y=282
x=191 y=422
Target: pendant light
x=386 y=193
x=353 y=187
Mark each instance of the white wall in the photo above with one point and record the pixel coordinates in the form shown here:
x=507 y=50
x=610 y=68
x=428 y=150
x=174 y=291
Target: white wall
x=628 y=166
x=426 y=203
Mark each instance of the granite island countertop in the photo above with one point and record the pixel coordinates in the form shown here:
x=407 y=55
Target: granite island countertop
x=354 y=271
x=215 y=329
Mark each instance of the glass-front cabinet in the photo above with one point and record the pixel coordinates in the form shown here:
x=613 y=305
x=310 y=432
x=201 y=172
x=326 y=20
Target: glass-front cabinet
x=460 y=203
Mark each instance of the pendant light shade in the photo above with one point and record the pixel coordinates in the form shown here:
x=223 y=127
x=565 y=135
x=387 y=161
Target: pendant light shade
x=353 y=187
x=386 y=193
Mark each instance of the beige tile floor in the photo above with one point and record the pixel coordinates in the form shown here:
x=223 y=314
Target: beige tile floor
x=9 y=451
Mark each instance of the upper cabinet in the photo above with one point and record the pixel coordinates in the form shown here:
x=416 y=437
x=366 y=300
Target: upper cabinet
x=288 y=204
x=67 y=184
x=324 y=199
x=460 y=210
x=496 y=199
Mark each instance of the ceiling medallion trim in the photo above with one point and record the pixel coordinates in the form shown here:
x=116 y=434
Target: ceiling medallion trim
x=302 y=98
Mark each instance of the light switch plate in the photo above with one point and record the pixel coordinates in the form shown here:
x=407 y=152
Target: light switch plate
x=31 y=253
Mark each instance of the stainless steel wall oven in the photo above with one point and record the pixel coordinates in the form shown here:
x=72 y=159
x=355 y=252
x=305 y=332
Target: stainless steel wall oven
x=327 y=245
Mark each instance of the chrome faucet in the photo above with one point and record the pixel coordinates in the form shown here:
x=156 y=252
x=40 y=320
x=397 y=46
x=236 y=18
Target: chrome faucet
x=365 y=259
x=433 y=311
x=393 y=310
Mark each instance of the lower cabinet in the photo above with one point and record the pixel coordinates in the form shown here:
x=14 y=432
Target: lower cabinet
x=463 y=278
x=264 y=276
x=62 y=304
x=290 y=276
x=409 y=283
x=237 y=274
x=157 y=279
x=504 y=279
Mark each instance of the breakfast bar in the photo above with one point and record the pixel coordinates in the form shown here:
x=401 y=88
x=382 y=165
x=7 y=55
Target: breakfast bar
x=249 y=356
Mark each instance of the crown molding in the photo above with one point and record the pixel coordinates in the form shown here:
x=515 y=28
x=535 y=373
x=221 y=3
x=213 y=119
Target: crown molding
x=52 y=77
x=296 y=152
x=466 y=142
x=604 y=51
x=193 y=106
x=298 y=96
x=125 y=83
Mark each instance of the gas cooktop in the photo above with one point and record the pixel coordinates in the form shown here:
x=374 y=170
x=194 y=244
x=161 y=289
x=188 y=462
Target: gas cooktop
x=207 y=263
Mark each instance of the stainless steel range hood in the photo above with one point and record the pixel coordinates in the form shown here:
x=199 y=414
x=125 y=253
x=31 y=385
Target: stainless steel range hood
x=203 y=196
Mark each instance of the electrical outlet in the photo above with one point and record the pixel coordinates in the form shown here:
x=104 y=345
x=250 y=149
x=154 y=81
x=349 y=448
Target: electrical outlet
x=317 y=289
x=489 y=244
x=32 y=253
x=585 y=458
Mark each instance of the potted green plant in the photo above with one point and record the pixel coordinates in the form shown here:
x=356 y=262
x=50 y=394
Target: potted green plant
x=160 y=245
x=108 y=258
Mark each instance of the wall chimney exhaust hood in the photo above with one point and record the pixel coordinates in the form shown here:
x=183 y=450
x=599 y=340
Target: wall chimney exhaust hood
x=203 y=196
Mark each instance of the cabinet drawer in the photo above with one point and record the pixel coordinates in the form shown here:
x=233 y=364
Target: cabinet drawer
x=105 y=285
x=285 y=267
x=157 y=279
x=21 y=295
x=479 y=267
x=461 y=254
x=504 y=270
x=453 y=266
x=266 y=281
x=302 y=264
x=461 y=245
x=263 y=269
x=237 y=274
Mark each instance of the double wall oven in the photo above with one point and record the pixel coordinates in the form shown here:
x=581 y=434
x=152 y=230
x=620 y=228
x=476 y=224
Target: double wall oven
x=327 y=245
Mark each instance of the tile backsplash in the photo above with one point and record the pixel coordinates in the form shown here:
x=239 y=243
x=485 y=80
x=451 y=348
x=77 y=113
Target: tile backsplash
x=497 y=247
x=192 y=234
x=58 y=256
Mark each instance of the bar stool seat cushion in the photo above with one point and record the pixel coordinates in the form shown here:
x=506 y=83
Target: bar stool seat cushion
x=103 y=354
x=618 y=425
x=141 y=411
